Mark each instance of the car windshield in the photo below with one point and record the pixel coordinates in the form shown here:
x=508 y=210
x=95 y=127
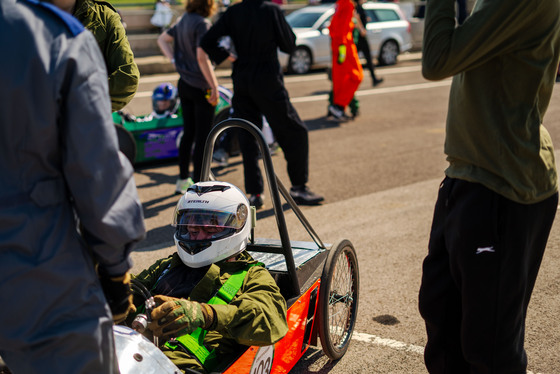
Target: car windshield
x=303 y=19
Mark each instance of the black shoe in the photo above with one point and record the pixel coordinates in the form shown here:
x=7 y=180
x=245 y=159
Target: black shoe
x=304 y=196
x=377 y=81
x=256 y=201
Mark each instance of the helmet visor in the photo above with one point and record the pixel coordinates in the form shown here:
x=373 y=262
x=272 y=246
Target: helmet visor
x=204 y=225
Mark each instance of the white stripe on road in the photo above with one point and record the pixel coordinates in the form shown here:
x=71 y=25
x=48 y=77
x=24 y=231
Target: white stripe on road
x=290 y=79
x=390 y=343
x=368 y=92
x=394 y=344
x=377 y=91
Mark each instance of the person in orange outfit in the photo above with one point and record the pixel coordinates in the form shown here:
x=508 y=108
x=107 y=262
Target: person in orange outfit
x=347 y=73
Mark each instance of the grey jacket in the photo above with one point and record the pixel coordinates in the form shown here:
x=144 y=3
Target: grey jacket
x=67 y=196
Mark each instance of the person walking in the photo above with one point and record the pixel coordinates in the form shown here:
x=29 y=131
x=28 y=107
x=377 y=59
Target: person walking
x=198 y=85
x=362 y=43
x=258 y=29
x=498 y=200
x=347 y=73
x=68 y=204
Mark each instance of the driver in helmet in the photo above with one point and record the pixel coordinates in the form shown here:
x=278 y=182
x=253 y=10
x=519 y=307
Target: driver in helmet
x=212 y=230
x=164 y=100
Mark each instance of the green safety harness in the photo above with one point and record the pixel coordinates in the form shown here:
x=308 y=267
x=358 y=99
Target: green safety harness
x=193 y=342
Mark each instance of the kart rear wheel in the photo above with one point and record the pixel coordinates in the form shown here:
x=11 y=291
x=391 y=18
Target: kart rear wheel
x=338 y=299
x=127 y=145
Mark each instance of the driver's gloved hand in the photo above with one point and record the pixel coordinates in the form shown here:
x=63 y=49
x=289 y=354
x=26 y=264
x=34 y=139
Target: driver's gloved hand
x=176 y=317
x=118 y=294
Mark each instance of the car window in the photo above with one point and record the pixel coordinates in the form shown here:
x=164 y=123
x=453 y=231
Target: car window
x=384 y=15
x=371 y=15
x=303 y=19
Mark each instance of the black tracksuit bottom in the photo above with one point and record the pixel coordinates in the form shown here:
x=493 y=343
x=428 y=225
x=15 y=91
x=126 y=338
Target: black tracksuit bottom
x=259 y=90
x=198 y=119
x=363 y=46
x=484 y=255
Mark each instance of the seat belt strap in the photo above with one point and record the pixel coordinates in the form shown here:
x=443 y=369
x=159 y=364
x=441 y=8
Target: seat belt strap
x=194 y=342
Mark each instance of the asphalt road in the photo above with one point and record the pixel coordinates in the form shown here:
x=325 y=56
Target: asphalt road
x=379 y=175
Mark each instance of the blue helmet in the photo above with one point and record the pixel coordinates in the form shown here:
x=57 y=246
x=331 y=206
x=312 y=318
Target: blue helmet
x=164 y=99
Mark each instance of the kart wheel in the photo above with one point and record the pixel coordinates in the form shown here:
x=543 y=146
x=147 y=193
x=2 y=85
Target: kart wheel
x=127 y=145
x=222 y=115
x=338 y=299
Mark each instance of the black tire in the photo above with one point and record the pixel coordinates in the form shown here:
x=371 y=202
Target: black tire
x=388 y=53
x=127 y=145
x=300 y=61
x=338 y=299
x=222 y=115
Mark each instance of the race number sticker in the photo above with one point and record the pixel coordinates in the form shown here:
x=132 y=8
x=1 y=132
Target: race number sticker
x=262 y=364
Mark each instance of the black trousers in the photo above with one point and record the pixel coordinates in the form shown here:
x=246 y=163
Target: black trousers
x=258 y=92
x=198 y=118
x=363 y=46
x=484 y=255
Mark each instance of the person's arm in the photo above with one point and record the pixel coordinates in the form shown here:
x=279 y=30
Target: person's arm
x=258 y=315
x=99 y=178
x=284 y=33
x=123 y=72
x=494 y=28
x=164 y=41
x=208 y=72
x=209 y=42
x=359 y=23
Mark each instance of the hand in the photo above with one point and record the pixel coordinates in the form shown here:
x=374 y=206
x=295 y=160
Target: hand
x=118 y=294
x=341 y=54
x=212 y=96
x=176 y=317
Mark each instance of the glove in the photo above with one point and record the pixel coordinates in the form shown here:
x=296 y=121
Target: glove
x=176 y=317
x=341 y=54
x=118 y=294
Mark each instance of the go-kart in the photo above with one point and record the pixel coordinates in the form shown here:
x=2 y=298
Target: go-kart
x=319 y=281
x=147 y=138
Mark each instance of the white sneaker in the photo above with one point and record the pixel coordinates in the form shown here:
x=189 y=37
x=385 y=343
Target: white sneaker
x=182 y=185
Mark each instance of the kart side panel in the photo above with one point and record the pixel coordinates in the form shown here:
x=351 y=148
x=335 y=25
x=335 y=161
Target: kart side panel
x=159 y=138
x=286 y=353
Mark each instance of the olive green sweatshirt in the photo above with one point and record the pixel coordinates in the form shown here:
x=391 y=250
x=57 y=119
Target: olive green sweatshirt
x=105 y=24
x=503 y=60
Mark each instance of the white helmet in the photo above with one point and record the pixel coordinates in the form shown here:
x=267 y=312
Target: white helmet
x=212 y=223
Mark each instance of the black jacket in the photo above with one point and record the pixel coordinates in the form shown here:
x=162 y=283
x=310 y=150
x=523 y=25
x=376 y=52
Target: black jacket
x=257 y=28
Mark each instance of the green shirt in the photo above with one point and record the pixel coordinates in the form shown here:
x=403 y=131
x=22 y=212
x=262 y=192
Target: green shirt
x=105 y=24
x=503 y=60
x=256 y=316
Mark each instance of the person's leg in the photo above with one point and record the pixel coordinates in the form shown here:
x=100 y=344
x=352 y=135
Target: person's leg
x=185 y=146
x=288 y=129
x=203 y=122
x=498 y=277
x=244 y=107
x=484 y=256
x=440 y=298
x=363 y=46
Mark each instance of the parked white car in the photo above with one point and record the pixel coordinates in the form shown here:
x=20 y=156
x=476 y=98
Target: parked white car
x=388 y=34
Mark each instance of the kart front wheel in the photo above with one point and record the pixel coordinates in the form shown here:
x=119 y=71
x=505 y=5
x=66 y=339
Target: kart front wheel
x=127 y=145
x=338 y=299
